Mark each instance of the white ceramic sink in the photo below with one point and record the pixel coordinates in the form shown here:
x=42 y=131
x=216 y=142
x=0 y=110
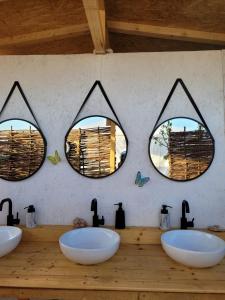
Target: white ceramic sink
x=193 y=248
x=9 y=239
x=89 y=245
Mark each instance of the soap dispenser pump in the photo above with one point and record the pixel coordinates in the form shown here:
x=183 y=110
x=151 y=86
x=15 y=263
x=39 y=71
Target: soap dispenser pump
x=165 y=218
x=30 y=216
x=120 y=217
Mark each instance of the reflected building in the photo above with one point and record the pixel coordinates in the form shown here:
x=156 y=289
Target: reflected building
x=22 y=149
x=181 y=149
x=95 y=146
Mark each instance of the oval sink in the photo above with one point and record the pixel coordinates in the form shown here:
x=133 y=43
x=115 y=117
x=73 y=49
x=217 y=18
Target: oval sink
x=89 y=245
x=193 y=248
x=9 y=239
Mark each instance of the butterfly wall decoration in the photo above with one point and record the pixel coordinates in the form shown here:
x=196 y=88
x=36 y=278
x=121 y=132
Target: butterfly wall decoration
x=54 y=159
x=141 y=181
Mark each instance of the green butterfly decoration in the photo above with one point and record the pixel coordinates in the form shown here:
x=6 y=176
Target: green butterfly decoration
x=54 y=159
x=141 y=181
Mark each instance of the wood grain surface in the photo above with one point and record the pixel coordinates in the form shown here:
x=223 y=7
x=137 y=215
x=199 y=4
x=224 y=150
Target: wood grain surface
x=139 y=270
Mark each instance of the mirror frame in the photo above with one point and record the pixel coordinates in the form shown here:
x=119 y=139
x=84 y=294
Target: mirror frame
x=149 y=152
x=45 y=148
x=82 y=120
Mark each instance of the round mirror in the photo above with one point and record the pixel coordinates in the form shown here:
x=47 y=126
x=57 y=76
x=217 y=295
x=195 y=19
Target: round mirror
x=22 y=149
x=181 y=149
x=96 y=146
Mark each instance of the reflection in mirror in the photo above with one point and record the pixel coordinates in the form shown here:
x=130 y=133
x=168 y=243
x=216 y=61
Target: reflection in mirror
x=96 y=146
x=181 y=149
x=22 y=149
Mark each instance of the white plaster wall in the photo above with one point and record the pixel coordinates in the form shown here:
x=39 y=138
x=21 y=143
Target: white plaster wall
x=137 y=85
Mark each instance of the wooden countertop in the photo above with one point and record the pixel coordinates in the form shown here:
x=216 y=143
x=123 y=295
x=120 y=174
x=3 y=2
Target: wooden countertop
x=133 y=268
x=37 y=263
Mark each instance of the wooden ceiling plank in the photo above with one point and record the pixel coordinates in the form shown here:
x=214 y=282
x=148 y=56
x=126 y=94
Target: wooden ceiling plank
x=45 y=35
x=95 y=13
x=167 y=32
x=70 y=45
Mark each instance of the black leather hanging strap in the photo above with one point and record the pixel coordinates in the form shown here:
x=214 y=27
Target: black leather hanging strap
x=97 y=83
x=179 y=80
x=16 y=84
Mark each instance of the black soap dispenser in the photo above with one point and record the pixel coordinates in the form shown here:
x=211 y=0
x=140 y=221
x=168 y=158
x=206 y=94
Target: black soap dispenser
x=120 y=217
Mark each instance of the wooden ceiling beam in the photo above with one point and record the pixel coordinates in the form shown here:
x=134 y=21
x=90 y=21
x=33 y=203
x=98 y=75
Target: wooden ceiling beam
x=95 y=13
x=167 y=32
x=45 y=35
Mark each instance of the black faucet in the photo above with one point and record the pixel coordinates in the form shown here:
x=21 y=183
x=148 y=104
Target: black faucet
x=96 y=220
x=10 y=219
x=184 y=223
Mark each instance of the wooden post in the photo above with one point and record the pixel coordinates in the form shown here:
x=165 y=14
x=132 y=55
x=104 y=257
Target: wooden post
x=112 y=159
x=95 y=13
x=185 y=157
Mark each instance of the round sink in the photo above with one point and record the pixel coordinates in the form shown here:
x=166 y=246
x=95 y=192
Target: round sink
x=9 y=239
x=193 y=248
x=89 y=245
